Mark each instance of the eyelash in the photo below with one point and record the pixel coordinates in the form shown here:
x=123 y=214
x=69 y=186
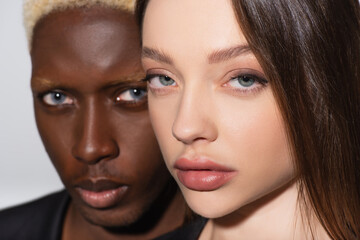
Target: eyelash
x=158 y=90
x=258 y=84
x=259 y=81
x=131 y=103
x=66 y=100
x=43 y=96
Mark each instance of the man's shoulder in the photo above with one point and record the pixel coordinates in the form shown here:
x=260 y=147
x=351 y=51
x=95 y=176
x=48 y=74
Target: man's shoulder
x=28 y=220
x=27 y=208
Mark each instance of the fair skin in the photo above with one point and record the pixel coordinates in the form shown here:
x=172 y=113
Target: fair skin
x=211 y=105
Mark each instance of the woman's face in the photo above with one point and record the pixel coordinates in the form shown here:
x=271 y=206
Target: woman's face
x=91 y=112
x=212 y=108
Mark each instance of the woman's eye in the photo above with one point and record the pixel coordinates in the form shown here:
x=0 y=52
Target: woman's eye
x=132 y=95
x=242 y=82
x=246 y=84
x=160 y=81
x=57 y=99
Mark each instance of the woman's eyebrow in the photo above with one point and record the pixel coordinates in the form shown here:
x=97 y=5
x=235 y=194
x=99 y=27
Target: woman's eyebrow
x=222 y=55
x=216 y=56
x=156 y=55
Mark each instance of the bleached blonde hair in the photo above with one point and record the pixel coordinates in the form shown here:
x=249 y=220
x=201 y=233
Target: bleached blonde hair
x=34 y=10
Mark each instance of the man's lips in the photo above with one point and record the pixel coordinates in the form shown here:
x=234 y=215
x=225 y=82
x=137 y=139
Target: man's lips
x=202 y=174
x=97 y=185
x=101 y=193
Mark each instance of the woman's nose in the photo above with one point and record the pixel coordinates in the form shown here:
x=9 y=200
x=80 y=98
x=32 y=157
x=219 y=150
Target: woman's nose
x=195 y=117
x=93 y=136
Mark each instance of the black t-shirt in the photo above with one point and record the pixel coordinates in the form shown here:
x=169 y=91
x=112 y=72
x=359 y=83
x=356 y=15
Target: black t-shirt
x=190 y=231
x=40 y=219
x=43 y=219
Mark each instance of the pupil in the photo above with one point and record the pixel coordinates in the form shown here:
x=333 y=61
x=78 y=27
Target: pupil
x=246 y=81
x=136 y=92
x=57 y=97
x=166 y=81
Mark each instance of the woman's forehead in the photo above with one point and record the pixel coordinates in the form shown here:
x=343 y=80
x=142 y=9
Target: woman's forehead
x=193 y=30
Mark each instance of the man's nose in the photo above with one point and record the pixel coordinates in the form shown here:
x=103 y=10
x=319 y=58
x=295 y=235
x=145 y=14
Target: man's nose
x=93 y=136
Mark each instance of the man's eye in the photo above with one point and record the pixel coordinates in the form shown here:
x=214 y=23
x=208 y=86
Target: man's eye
x=57 y=99
x=132 y=95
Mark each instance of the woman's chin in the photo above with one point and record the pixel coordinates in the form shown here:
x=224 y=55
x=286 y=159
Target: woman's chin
x=207 y=205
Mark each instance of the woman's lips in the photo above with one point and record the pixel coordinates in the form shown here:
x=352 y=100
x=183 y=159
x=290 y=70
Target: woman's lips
x=102 y=193
x=202 y=174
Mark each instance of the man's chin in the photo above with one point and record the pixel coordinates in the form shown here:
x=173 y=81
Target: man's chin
x=110 y=218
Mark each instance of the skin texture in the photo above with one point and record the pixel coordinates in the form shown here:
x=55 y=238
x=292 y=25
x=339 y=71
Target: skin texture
x=210 y=115
x=86 y=65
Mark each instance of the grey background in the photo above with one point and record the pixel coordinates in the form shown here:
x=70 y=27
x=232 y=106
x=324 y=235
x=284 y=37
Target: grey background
x=25 y=169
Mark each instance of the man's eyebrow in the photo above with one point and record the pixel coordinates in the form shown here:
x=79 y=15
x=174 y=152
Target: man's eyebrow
x=156 y=55
x=222 y=55
x=136 y=77
x=41 y=83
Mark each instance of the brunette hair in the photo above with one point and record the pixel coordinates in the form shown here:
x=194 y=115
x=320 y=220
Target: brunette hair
x=310 y=52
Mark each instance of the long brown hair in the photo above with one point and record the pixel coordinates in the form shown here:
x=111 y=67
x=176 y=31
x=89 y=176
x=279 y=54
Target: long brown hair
x=310 y=52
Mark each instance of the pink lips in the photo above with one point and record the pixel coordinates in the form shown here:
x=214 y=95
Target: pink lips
x=102 y=193
x=202 y=174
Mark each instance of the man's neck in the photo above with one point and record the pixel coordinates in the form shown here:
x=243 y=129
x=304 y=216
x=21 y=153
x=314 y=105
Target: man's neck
x=77 y=227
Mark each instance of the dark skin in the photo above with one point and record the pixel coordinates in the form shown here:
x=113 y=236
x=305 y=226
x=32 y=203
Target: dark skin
x=91 y=112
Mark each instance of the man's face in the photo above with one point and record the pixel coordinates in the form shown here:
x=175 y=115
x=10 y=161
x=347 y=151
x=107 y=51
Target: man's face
x=91 y=112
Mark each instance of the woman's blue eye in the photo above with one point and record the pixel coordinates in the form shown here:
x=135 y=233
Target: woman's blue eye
x=244 y=81
x=132 y=95
x=166 y=81
x=57 y=98
x=160 y=81
x=246 y=84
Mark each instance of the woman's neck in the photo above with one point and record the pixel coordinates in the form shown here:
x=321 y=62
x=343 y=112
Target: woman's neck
x=276 y=216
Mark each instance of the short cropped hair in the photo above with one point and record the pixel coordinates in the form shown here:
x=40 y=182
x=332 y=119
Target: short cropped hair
x=34 y=10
